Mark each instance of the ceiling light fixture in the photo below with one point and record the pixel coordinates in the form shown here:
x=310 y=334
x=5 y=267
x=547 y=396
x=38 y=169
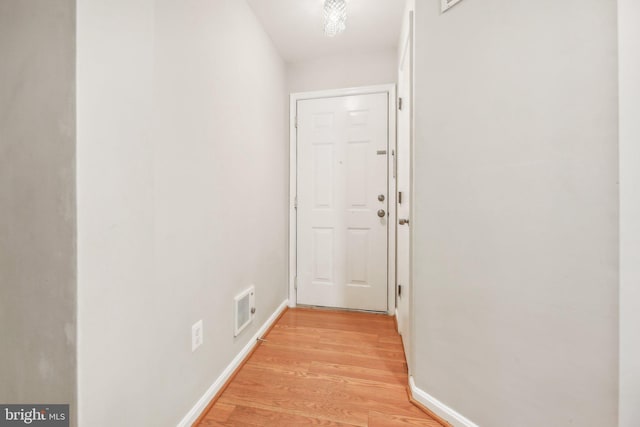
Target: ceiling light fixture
x=335 y=17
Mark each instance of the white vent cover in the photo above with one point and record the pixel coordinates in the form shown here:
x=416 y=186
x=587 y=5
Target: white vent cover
x=447 y=4
x=244 y=309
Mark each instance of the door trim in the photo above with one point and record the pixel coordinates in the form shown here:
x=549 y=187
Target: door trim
x=408 y=47
x=390 y=90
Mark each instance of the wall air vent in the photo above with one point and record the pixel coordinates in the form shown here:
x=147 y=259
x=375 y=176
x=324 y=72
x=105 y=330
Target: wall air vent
x=244 y=310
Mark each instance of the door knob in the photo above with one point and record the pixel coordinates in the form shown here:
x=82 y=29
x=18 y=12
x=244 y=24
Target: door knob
x=403 y=221
x=381 y=213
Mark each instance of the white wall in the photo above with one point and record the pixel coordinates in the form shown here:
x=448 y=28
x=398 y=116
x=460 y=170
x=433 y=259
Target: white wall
x=516 y=211
x=182 y=198
x=37 y=203
x=342 y=71
x=629 y=45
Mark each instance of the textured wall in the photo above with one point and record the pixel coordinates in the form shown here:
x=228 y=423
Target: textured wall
x=37 y=202
x=629 y=43
x=516 y=210
x=182 y=199
x=341 y=71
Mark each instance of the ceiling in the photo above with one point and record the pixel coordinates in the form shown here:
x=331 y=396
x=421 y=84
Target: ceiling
x=295 y=26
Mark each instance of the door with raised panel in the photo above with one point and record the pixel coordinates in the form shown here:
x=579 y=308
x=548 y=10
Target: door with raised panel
x=342 y=145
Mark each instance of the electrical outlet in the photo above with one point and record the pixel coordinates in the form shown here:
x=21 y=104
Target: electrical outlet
x=196 y=335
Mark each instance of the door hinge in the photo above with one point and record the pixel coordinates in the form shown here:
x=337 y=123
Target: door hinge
x=400 y=197
x=295 y=283
x=399 y=103
x=295 y=202
x=399 y=290
x=296 y=122
x=393 y=154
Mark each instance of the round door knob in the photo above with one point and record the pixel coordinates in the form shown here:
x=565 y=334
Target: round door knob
x=381 y=213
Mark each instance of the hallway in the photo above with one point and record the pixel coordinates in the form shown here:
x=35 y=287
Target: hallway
x=179 y=178
x=322 y=367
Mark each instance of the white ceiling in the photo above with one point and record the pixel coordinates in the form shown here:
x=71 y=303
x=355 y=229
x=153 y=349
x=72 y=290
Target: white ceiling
x=295 y=26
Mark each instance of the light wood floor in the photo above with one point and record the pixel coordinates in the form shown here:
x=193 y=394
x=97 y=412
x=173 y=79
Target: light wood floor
x=321 y=367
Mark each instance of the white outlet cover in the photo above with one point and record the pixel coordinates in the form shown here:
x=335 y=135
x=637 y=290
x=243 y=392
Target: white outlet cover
x=197 y=335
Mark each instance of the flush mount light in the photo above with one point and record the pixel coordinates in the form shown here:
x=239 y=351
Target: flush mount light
x=335 y=17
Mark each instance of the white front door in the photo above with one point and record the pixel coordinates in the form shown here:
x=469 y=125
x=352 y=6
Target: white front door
x=342 y=202
x=403 y=235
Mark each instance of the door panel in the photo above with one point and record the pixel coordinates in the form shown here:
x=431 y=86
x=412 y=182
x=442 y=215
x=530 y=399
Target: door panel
x=322 y=255
x=342 y=170
x=323 y=159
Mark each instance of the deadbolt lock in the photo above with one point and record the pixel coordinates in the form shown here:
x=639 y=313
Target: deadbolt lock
x=381 y=213
x=381 y=197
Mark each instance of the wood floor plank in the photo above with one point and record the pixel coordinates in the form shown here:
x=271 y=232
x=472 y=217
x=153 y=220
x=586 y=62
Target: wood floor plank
x=319 y=367
x=349 y=341
x=328 y=355
x=265 y=417
x=302 y=407
x=210 y=423
x=359 y=399
x=358 y=372
x=378 y=419
x=219 y=412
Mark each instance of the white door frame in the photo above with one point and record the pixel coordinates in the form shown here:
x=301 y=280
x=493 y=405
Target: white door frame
x=408 y=47
x=390 y=90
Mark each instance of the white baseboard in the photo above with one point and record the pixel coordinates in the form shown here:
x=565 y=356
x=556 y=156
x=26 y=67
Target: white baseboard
x=439 y=408
x=202 y=403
